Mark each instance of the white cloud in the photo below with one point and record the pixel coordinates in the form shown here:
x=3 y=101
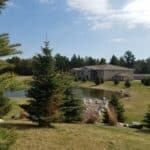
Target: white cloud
x=46 y=1
x=118 y=40
x=11 y=4
x=101 y=14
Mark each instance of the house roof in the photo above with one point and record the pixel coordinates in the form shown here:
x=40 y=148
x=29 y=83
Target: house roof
x=107 y=67
x=77 y=69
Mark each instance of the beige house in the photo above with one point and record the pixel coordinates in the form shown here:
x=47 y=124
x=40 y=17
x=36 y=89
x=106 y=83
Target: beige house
x=106 y=72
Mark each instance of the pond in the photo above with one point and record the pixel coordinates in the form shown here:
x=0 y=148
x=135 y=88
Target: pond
x=80 y=92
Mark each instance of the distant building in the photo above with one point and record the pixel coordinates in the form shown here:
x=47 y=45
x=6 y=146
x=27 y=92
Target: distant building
x=106 y=72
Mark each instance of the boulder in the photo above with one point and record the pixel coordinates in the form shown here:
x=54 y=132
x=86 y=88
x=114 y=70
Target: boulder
x=136 y=125
x=1 y=121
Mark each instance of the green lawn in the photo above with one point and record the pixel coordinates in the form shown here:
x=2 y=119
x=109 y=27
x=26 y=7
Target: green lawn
x=83 y=136
x=77 y=137
x=136 y=105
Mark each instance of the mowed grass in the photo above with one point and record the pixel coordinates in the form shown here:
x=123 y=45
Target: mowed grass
x=84 y=136
x=77 y=137
x=136 y=105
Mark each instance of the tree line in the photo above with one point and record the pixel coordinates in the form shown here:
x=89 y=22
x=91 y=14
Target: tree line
x=65 y=64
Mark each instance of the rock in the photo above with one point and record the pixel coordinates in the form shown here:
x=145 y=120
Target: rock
x=1 y=121
x=16 y=116
x=119 y=124
x=136 y=125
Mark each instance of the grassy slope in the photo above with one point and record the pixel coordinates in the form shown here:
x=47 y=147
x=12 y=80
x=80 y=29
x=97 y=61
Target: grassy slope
x=78 y=136
x=136 y=105
x=82 y=136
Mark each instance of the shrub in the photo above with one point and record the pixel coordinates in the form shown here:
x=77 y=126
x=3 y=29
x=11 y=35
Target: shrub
x=118 y=107
x=101 y=80
x=97 y=81
x=116 y=81
x=110 y=116
x=7 y=138
x=146 y=81
x=127 y=84
x=147 y=118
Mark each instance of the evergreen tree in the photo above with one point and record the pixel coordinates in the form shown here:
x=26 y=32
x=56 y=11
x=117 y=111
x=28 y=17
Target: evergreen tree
x=129 y=59
x=102 y=61
x=72 y=107
x=2 y=4
x=6 y=79
x=45 y=89
x=114 y=60
x=147 y=118
x=118 y=107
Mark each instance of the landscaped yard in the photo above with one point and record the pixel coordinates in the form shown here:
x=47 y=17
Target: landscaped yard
x=83 y=136
x=136 y=105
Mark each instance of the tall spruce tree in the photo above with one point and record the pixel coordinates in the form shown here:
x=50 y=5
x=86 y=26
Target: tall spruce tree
x=72 y=107
x=44 y=89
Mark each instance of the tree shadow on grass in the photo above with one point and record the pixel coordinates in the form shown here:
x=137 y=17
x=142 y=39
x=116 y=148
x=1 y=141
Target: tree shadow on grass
x=19 y=126
x=22 y=125
x=144 y=131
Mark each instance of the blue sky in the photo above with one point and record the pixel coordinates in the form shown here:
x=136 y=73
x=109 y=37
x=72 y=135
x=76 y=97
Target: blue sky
x=98 y=28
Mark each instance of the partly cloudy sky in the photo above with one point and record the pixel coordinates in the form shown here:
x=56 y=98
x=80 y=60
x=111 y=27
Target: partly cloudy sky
x=98 y=28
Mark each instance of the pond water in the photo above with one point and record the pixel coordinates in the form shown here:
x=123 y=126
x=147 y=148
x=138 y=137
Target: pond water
x=94 y=93
x=80 y=92
x=20 y=93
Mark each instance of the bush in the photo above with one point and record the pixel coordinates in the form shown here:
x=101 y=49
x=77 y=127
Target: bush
x=116 y=81
x=110 y=116
x=146 y=81
x=118 y=107
x=147 y=118
x=127 y=84
x=97 y=81
x=7 y=138
x=102 y=81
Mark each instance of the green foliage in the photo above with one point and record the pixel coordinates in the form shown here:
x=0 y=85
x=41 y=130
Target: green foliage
x=109 y=116
x=114 y=60
x=118 y=107
x=45 y=89
x=129 y=59
x=116 y=81
x=2 y=4
x=7 y=138
x=105 y=116
x=21 y=66
x=4 y=105
x=62 y=63
x=147 y=118
x=6 y=79
x=146 y=81
x=127 y=84
x=97 y=81
x=72 y=107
